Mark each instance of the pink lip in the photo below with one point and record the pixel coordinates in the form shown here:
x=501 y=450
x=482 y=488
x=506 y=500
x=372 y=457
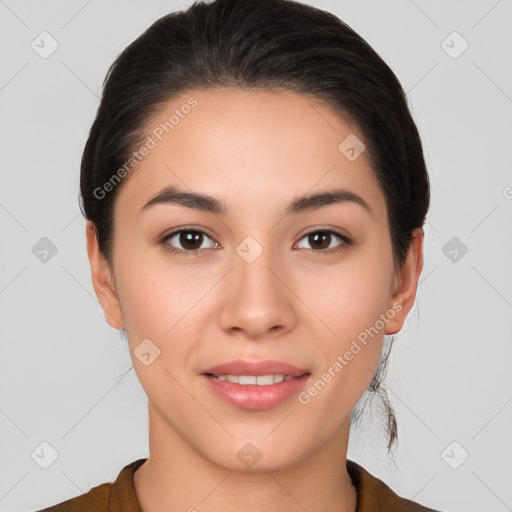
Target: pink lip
x=254 y=397
x=240 y=367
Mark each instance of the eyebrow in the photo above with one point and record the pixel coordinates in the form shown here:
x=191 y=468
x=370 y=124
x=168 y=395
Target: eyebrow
x=208 y=204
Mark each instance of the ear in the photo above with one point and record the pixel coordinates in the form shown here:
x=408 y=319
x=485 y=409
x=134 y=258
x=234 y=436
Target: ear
x=102 y=280
x=406 y=283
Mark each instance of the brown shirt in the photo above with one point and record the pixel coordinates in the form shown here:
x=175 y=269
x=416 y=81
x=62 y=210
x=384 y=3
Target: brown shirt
x=373 y=495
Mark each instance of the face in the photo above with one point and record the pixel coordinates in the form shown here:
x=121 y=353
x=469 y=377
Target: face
x=254 y=280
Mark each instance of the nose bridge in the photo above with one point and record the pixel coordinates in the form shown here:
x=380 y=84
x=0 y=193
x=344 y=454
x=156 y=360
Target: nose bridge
x=257 y=298
x=253 y=266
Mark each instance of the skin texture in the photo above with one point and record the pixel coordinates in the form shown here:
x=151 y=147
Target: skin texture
x=256 y=152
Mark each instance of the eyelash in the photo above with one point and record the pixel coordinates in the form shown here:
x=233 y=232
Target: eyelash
x=321 y=252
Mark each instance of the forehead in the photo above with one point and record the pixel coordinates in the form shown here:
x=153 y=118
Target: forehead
x=246 y=146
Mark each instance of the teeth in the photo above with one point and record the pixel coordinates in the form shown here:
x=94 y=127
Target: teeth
x=260 y=380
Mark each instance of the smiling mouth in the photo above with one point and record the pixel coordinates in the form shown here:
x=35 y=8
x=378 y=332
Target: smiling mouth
x=258 y=380
x=256 y=392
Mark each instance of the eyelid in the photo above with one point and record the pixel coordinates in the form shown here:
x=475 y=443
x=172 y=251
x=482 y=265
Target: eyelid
x=314 y=229
x=329 y=229
x=175 y=231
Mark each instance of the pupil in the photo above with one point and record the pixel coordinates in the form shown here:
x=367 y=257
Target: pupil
x=188 y=237
x=316 y=236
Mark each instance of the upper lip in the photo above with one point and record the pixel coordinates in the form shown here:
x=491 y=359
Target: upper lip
x=256 y=368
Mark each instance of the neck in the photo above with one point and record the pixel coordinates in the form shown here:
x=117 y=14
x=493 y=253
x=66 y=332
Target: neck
x=317 y=483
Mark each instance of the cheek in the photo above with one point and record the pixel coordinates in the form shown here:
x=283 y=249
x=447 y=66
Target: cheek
x=160 y=303
x=154 y=293
x=352 y=301
x=351 y=296
x=163 y=303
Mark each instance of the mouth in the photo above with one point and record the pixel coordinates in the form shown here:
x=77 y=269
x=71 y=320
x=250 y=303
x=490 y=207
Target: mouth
x=244 y=368
x=255 y=385
x=254 y=380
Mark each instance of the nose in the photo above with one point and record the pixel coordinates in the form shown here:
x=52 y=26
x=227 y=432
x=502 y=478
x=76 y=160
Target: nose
x=257 y=297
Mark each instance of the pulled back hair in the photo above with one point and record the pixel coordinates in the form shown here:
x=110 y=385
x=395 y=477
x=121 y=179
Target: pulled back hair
x=266 y=45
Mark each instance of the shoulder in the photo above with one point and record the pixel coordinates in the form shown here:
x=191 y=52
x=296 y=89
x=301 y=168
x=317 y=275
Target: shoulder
x=97 y=498
x=106 y=497
x=374 y=494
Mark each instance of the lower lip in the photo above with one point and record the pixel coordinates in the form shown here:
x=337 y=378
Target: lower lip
x=254 y=397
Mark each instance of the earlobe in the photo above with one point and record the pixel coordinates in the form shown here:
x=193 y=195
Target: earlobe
x=102 y=280
x=406 y=282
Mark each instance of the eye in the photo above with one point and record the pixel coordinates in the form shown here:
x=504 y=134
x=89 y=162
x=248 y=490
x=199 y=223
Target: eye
x=320 y=241
x=190 y=239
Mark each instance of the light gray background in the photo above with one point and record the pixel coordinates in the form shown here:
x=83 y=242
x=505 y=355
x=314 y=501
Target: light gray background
x=66 y=376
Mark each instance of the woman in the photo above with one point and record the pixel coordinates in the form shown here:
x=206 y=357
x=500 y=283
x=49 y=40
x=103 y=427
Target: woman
x=255 y=190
